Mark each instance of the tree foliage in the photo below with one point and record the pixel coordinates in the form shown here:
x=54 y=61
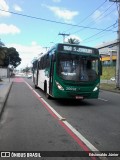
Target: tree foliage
x=73 y=41
x=9 y=56
x=26 y=69
x=1 y=43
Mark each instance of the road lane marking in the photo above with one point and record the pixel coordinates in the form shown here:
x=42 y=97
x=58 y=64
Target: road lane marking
x=36 y=93
x=77 y=136
x=62 y=119
x=102 y=99
x=45 y=103
x=49 y=107
x=18 y=80
x=32 y=89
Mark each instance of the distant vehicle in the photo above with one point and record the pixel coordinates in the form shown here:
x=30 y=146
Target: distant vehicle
x=112 y=78
x=68 y=71
x=20 y=75
x=29 y=76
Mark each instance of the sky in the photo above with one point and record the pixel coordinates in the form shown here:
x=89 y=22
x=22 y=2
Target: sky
x=32 y=25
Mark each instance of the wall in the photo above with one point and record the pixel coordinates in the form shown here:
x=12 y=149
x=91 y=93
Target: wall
x=3 y=72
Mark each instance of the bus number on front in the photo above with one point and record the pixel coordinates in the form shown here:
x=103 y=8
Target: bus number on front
x=70 y=89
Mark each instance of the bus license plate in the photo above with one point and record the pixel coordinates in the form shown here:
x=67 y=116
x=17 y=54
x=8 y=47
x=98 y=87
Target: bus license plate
x=79 y=97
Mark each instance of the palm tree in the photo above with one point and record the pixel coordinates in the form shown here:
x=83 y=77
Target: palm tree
x=73 y=41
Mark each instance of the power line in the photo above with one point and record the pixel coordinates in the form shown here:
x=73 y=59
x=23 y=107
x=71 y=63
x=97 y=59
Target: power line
x=53 y=21
x=99 y=17
x=94 y=11
x=100 y=32
x=88 y=15
x=101 y=14
x=103 y=35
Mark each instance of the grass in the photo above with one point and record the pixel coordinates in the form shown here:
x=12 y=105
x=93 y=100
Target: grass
x=109 y=87
x=108 y=72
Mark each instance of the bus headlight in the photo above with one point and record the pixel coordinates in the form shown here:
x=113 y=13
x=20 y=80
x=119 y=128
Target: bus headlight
x=59 y=86
x=96 y=88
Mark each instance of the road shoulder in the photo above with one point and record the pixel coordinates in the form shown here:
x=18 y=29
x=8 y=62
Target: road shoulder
x=4 y=92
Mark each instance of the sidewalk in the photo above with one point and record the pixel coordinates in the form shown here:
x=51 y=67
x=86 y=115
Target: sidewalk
x=5 y=86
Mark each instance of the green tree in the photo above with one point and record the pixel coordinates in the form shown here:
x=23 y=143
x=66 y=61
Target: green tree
x=26 y=69
x=73 y=41
x=9 y=56
x=3 y=51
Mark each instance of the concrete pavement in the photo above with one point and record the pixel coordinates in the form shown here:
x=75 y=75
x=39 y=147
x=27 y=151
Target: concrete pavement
x=5 y=86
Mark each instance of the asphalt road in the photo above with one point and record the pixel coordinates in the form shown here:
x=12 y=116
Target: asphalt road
x=28 y=124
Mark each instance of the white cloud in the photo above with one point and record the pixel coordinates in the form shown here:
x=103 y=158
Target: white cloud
x=96 y=15
x=63 y=13
x=99 y=16
x=4 y=6
x=27 y=53
x=8 y=29
x=17 y=8
x=104 y=14
x=34 y=43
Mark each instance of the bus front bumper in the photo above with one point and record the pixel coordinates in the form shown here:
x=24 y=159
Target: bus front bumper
x=76 y=95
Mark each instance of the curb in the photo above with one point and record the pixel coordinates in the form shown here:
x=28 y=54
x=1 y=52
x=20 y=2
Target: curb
x=114 y=91
x=5 y=99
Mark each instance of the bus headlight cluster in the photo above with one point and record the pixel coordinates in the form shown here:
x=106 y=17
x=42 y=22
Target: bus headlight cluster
x=96 y=88
x=59 y=86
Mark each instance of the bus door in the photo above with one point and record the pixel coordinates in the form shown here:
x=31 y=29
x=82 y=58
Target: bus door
x=36 y=77
x=51 y=73
x=35 y=73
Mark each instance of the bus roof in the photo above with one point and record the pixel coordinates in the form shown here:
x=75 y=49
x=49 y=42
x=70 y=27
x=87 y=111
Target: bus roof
x=69 y=47
x=75 y=48
x=74 y=45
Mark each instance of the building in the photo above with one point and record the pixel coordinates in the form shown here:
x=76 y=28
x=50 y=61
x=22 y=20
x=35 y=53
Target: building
x=108 y=51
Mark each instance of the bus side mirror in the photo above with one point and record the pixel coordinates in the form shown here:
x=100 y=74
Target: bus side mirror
x=100 y=69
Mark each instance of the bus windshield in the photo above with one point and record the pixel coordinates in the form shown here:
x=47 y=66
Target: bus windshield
x=77 y=67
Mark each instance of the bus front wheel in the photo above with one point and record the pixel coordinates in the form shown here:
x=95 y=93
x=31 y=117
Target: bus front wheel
x=36 y=87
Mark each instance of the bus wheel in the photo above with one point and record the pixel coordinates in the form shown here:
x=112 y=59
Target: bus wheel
x=36 y=87
x=45 y=90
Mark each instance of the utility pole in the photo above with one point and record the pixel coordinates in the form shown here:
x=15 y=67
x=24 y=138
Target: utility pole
x=63 y=34
x=118 y=50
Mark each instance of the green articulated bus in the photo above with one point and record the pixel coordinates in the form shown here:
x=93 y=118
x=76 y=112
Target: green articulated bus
x=68 y=71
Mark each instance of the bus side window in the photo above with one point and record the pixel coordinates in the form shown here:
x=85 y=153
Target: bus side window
x=44 y=61
x=39 y=64
x=47 y=61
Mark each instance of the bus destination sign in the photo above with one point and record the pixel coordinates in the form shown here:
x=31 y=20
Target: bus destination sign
x=77 y=49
